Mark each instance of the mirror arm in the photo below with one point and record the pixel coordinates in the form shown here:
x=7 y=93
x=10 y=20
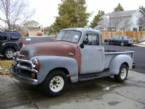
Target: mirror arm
x=82 y=45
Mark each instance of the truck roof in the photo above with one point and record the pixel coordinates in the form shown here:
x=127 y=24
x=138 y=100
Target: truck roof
x=84 y=30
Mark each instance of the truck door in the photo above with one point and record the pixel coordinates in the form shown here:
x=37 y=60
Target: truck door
x=92 y=55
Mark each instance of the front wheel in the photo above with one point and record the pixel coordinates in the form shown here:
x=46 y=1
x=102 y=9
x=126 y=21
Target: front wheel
x=123 y=73
x=55 y=83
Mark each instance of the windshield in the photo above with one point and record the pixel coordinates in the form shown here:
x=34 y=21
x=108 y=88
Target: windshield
x=70 y=36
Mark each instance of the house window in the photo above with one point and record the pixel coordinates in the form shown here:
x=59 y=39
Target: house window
x=135 y=29
x=140 y=28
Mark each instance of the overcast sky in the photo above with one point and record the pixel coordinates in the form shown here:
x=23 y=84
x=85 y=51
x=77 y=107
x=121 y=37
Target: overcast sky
x=47 y=10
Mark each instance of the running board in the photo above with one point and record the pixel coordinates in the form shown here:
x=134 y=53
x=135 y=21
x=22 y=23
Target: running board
x=91 y=76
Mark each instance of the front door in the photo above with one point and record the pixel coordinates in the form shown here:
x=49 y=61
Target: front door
x=92 y=55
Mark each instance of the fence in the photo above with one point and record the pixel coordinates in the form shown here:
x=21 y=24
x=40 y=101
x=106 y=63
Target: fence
x=137 y=36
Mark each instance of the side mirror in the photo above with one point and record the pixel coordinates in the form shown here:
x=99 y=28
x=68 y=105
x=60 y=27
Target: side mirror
x=82 y=45
x=85 y=41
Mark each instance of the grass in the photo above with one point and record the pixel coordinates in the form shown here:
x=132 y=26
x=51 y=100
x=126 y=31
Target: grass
x=6 y=64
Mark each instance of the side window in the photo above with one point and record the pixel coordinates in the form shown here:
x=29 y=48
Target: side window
x=93 y=39
x=14 y=36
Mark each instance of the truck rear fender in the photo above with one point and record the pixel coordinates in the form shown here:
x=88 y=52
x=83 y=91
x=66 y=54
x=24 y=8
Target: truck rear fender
x=49 y=63
x=118 y=61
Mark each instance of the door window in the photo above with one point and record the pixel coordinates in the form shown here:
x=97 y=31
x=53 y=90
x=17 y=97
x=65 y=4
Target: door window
x=92 y=39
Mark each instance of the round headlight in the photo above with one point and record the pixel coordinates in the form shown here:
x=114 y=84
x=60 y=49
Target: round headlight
x=36 y=63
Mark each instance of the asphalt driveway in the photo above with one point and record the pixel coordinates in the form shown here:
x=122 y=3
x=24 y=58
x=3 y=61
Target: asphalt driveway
x=101 y=94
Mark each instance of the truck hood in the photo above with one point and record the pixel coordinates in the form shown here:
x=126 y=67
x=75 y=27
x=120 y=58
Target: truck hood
x=57 y=48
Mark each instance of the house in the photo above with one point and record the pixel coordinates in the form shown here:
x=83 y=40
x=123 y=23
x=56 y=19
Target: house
x=122 y=21
x=33 y=28
x=35 y=31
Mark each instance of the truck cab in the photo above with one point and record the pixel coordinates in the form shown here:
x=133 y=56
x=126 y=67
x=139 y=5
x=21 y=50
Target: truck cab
x=90 y=46
x=77 y=55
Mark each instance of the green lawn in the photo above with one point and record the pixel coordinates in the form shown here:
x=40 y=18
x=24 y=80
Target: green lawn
x=5 y=64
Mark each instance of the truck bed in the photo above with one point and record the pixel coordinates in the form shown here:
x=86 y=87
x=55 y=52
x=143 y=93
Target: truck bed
x=110 y=54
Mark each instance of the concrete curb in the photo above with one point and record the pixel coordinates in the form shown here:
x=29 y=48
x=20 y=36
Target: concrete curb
x=140 y=45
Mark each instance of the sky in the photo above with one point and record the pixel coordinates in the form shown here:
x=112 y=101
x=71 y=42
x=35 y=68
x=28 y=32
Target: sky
x=47 y=10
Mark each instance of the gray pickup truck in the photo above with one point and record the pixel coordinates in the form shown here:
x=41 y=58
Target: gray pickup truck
x=77 y=55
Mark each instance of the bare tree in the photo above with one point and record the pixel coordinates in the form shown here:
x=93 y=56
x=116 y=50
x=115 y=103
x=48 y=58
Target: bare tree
x=142 y=17
x=14 y=12
x=142 y=10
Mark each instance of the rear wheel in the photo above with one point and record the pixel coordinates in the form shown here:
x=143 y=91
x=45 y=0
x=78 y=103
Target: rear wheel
x=9 y=53
x=55 y=83
x=123 y=73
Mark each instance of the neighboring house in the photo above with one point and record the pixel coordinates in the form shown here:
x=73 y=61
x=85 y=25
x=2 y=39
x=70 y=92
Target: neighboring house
x=37 y=31
x=122 y=21
x=33 y=28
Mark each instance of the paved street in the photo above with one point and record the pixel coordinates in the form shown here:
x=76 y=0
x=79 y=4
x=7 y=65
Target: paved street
x=100 y=94
x=139 y=55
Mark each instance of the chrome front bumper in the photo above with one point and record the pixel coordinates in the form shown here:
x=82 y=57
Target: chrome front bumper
x=24 y=79
x=23 y=73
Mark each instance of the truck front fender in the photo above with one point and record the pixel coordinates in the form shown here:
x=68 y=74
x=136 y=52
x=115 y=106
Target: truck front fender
x=118 y=61
x=49 y=63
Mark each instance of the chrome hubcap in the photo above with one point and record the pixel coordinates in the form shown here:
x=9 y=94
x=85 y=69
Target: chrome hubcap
x=56 y=84
x=123 y=73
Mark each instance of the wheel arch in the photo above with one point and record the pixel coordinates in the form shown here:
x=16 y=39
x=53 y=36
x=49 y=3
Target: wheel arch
x=65 y=70
x=118 y=61
x=7 y=47
x=125 y=63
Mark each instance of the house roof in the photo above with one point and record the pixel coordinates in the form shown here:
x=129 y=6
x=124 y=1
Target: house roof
x=121 y=13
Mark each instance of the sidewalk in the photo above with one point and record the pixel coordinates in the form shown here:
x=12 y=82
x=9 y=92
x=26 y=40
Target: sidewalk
x=100 y=94
x=142 y=44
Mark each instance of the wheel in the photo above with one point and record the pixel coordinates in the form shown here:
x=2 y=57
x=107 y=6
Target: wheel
x=123 y=73
x=9 y=52
x=55 y=83
x=122 y=43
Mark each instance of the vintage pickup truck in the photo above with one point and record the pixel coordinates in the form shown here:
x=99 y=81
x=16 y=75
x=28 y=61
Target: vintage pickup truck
x=77 y=55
